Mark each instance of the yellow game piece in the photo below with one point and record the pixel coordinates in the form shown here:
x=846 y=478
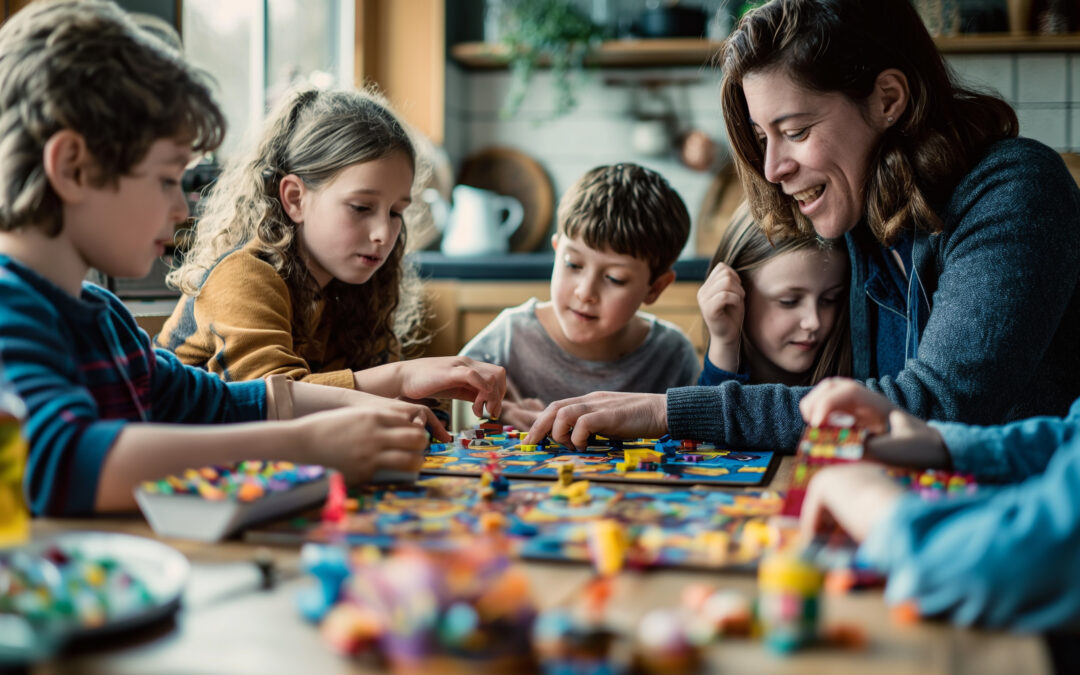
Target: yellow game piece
x=528 y=447
x=713 y=544
x=566 y=474
x=607 y=546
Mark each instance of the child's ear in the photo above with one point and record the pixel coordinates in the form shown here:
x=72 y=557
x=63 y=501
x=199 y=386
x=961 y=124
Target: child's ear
x=555 y=240
x=291 y=192
x=657 y=287
x=67 y=162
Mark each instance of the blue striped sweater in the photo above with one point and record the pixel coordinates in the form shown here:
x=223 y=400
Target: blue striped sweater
x=85 y=369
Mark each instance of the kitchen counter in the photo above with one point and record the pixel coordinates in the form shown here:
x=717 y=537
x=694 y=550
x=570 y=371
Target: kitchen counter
x=520 y=267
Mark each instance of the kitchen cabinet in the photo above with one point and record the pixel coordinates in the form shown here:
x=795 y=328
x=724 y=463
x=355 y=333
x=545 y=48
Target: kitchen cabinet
x=461 y=308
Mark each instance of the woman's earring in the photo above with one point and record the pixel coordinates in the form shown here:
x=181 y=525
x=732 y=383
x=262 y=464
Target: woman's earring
x=889 y=119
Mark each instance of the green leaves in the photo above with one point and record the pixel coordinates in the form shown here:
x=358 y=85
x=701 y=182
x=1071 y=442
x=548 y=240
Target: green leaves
x=546 y=31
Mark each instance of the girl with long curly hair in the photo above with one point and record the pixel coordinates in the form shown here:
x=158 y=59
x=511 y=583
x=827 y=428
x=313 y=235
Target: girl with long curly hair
x=297 y=267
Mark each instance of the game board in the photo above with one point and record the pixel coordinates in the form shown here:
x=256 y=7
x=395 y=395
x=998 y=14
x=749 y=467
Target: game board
x=640 y=461
x=672 y=527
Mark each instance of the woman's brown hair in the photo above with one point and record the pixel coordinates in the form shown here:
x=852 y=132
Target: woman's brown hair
x=314 y=135
x=744 y=248
x=842 y=46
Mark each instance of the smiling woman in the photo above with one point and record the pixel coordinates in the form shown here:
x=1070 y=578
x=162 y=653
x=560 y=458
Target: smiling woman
x=964 y=241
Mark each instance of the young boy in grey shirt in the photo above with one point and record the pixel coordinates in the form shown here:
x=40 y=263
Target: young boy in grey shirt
x=620 y=229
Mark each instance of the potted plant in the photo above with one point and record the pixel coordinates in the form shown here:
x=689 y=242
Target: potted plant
x=545 y=30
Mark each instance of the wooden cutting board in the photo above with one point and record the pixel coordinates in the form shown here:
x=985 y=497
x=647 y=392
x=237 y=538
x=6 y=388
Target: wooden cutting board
x=511 y=172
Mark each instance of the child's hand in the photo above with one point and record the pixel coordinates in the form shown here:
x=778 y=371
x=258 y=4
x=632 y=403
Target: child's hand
x=439 y=377
x=521 y=414
x=854 y=496
x=900 y=438
x=358 y=440
x=721 y=299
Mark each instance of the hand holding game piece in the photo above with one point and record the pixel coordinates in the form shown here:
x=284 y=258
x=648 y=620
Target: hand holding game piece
x=572 y=421
x=358 y=442
x=836 y=394
x=721 y=299
x=854 y=496
x=901 y=439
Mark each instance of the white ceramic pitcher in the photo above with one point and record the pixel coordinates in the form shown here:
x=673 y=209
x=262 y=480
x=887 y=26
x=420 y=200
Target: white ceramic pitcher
x=476 y=225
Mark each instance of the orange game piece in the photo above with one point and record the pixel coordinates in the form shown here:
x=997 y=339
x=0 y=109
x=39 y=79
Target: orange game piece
x=905 y=614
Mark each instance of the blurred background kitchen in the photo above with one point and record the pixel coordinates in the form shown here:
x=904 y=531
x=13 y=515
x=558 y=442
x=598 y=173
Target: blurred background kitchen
x=520 y=97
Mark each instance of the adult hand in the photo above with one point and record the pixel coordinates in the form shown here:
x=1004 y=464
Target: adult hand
x=449 y=377
x=722 y=302
x=854 y=496
x=899 y=438
x=835 y=394
x=521 y=414
x=358 y=440
x=571 y=421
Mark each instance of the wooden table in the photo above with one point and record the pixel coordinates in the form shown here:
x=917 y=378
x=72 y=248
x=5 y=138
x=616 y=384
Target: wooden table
x=229 y=625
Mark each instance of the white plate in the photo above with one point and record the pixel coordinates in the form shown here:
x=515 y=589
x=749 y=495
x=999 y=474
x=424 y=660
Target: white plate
x=160 y=568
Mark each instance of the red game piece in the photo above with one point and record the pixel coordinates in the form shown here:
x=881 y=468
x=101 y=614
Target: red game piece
x=335 y=508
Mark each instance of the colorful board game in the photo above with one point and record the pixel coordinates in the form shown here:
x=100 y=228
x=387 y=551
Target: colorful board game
x=673 y=527
x=658 y=461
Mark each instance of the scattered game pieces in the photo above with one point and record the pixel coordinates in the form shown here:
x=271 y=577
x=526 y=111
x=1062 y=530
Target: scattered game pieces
x=80 y=585
x=427 y=612
x=660 y=461
x=210 y=503
x=701 y=529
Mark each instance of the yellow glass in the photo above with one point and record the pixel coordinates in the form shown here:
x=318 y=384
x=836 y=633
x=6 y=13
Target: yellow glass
x=14 y=513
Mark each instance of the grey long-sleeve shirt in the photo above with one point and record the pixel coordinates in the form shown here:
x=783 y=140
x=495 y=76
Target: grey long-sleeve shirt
x=538 y=368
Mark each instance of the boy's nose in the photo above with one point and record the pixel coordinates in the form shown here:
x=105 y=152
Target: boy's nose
x=585 y=289
x=180 y=210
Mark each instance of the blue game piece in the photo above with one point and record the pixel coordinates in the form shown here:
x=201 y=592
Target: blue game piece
x=329 y=565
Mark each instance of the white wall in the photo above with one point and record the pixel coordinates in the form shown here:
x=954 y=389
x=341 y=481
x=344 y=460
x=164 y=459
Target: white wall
x=1044 y=89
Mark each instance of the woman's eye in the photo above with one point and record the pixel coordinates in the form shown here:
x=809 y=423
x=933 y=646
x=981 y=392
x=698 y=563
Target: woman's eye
x=797 y=135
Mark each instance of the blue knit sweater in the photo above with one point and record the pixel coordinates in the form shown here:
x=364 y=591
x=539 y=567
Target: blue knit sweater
x=999 y=341
x=85 y=369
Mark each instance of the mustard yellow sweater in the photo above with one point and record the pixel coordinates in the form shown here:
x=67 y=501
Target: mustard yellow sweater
x=240 y=327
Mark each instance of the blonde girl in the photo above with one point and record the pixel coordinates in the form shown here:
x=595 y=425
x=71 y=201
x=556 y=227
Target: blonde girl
x=297 y=261
x=775 y=311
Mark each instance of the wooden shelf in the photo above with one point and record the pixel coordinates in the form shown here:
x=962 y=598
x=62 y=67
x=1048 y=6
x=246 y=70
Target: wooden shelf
x=695 y=52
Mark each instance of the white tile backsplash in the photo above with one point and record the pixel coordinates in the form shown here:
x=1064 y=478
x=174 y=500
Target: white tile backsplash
x=1048 y=125
x=996 y=72
x=1041 y=78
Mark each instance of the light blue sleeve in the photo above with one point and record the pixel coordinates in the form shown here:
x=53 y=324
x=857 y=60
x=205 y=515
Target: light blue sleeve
x=1011 y=452
x=1003 y=558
